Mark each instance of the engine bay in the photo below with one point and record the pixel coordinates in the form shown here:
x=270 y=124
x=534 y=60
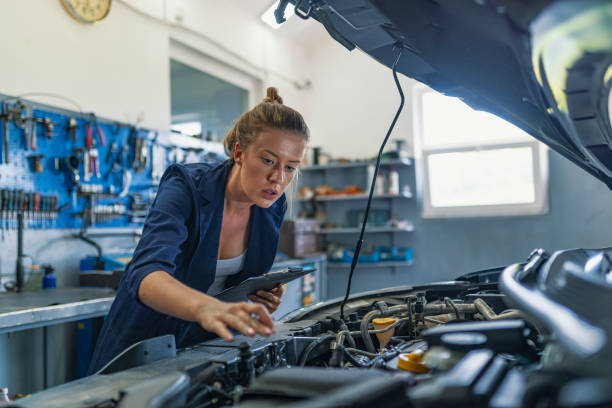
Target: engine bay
x=529 y=334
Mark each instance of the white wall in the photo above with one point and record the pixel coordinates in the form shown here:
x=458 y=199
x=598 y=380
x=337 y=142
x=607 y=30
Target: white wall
x=119 y=67
x=354 y=97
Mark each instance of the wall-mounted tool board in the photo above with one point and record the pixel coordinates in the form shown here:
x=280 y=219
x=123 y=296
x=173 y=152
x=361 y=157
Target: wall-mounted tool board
x=52 y=177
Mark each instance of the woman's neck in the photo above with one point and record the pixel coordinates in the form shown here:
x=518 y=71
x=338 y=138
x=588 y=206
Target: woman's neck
x=236 y=200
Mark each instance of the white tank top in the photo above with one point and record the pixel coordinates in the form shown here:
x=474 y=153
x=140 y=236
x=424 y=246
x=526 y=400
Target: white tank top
x=225 y=268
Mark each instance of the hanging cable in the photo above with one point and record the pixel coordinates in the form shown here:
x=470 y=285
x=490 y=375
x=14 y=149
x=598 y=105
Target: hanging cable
x=373 y=184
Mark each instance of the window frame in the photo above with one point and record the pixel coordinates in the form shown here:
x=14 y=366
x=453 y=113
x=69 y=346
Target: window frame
x=422 y=152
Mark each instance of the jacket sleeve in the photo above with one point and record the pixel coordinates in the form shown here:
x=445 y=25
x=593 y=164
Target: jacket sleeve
x=164 y=231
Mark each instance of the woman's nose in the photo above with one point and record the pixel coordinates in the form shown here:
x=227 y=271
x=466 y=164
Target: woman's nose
x=277 y=176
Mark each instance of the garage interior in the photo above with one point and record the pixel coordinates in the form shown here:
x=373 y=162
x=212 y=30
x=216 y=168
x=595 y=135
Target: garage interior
x=95 y=113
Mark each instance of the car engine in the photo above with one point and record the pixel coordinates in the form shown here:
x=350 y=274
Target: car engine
x=532 y=334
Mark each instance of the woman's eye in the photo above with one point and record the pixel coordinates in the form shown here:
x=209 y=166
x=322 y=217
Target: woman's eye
x=291 y=169
x=267 y=161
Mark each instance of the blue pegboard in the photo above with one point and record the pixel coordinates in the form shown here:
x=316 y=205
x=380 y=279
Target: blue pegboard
x=57 y=179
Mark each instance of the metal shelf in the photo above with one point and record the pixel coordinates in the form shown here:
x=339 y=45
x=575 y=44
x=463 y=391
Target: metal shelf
x=390 y=162
x=364 y=196
x=368 y=230
x=386 y=264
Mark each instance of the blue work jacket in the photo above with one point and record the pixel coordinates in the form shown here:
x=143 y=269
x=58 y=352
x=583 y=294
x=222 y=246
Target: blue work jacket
x=181 y=237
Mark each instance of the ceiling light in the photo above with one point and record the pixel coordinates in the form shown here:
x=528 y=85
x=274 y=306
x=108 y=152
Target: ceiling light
x=268 y=16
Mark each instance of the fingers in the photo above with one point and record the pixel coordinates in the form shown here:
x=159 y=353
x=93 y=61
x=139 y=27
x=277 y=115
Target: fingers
x=248 y=319
x=255 y=324
x=259 y=310
x=220 y=329
x=279 y=290
x=269 y=305
x=241 y=323
x=269 y=297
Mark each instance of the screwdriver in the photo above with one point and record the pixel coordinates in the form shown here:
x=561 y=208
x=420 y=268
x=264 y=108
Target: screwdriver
x=19 y=202
x=37 y=208
x=5 y=204
x=26 y=210
x=12 y=205
x=2 y=214
x=54 y=201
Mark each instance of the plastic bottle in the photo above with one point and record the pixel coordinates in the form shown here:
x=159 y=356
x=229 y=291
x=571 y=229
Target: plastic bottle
x=394 y=187
x=4 y=398
x=48 y=281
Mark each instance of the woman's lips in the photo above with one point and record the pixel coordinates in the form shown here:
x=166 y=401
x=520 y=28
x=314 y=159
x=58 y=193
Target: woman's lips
x=270 y=194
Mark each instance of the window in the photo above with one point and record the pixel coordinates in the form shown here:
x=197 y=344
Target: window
x=474 y=164
x=188 y=128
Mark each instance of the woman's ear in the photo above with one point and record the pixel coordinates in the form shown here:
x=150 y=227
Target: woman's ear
x=238 y=154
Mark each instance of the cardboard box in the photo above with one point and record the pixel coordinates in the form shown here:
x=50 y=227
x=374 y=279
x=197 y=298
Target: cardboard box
x=299 y=238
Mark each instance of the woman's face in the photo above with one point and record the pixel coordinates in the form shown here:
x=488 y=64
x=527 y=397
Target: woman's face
x=269 y=164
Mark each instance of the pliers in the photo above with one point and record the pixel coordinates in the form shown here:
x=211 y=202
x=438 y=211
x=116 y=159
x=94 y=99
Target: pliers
x=88 y=140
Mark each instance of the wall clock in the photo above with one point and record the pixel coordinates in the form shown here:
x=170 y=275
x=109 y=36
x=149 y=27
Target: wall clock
x=87 y=11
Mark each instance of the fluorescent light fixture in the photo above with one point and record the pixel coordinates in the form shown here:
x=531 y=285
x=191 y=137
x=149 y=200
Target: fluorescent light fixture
x=268 y=15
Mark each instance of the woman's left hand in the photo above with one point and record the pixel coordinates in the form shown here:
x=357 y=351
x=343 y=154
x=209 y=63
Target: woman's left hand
x=270 y=299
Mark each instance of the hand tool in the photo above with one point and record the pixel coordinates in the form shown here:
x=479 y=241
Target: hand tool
x=5 y=207
x=33 y=133
x=26 y=210
x=94 y=122
x=19 y=202
x=46 y=210
x=48 y=125
x=30 y=212
x=37 y=208
x=73 y=163
x=42 y=211
x=12 y=204
x=54 y=210
x=72 y=128
x=37 y=159
x=86 y=166
x=101 y=137
x=88 y=134
x=2 y=213
x=94 y=163
x=114 y=149
x=26 y=125
x=6 y=123
x=140 y=155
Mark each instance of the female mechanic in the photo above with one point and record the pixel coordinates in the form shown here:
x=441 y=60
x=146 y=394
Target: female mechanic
x=210 y=227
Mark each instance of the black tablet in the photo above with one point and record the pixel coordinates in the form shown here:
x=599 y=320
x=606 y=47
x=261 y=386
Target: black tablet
x=265 y=282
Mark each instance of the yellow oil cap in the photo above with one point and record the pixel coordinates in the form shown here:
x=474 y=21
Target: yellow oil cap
x=383 y=321
x=412 y=362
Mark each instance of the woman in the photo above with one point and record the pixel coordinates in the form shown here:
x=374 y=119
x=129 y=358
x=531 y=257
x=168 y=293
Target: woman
x=210 y=227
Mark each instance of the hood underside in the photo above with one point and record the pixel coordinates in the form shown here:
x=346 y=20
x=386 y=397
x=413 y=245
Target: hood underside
x=544 y=65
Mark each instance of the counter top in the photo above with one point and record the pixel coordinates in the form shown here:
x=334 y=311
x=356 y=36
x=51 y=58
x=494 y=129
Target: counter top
x=27 y=310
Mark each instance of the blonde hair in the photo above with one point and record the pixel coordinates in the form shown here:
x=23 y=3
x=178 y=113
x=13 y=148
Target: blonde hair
x=269 y=113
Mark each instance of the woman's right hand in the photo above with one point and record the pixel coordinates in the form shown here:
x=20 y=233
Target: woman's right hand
x=248 y=318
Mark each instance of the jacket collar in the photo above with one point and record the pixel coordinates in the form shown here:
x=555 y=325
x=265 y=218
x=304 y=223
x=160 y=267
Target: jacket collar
x=213 y=181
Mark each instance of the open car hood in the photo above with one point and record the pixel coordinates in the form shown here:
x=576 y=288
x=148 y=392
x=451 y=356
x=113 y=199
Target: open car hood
x=544 y=65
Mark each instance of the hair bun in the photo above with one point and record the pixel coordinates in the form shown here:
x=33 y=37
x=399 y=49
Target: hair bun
x=273 y=96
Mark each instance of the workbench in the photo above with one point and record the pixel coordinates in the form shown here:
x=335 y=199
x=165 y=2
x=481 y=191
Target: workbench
x=28 y=310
